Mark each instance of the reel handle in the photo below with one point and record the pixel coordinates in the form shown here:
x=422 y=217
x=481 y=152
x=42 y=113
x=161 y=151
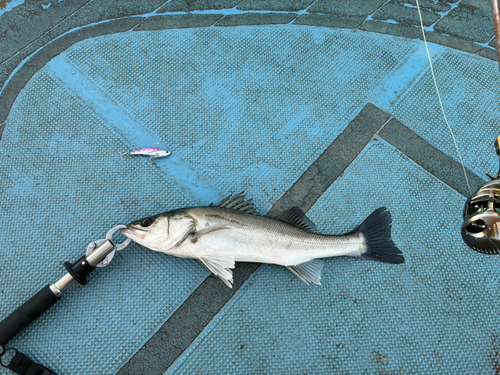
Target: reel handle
x=497 y=145
x=26 y=314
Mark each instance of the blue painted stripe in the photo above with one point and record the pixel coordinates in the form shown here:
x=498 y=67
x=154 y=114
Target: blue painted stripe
x=193 y=184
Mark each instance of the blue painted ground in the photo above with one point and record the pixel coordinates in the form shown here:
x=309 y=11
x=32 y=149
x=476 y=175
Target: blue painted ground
x=425 y=316
x=248 y=109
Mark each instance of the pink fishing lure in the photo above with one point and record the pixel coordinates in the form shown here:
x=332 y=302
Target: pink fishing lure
x=152 y=152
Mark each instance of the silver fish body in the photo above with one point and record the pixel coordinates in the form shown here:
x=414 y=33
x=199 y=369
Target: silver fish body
x=231 y=232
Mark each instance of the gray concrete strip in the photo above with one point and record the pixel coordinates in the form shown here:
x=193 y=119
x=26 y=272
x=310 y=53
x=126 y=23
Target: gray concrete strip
x=391 y=29
x=283 y=5
x=186 y=323
x=453 y=42
x=164 y=22
x=2 y=127
x=334 y=160
x=405 y=15
x=198 y=5
x=489 y=53
x=434 y=161
x=327 y=20
x=35 y=63
x=257 y=19
x=347 y=9
x=45 y=25
x=34 y=21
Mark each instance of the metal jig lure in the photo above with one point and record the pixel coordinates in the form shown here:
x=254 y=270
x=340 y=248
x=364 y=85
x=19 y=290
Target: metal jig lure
x=152 y=152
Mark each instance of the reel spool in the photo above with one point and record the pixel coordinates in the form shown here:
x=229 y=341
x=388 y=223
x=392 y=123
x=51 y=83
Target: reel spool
x=481 y=227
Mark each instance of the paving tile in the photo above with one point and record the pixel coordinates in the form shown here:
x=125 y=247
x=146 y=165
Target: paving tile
x=223 y=71
x=493 y=43
x=391 y=29
x=472 y=21
x=468 y=23
x=430 y=5
x=452 y=42
x=58 y=45
x=59 y=167
x=100 y=10
x=186 y=324
x=489 y=53
x=341 y=8
x=405 y=15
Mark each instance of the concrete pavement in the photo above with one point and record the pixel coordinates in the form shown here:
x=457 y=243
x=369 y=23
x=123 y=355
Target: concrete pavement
x=280 y=102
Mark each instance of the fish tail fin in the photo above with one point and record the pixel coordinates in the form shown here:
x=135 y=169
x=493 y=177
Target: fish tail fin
x=376 y=231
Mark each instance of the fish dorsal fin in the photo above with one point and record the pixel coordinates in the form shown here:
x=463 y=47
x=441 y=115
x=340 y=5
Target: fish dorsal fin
x=238 y=203
x=296 y=217
x=309 y=272
x=220 y=265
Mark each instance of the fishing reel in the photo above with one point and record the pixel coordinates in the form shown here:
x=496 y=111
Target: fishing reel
x=481 y=226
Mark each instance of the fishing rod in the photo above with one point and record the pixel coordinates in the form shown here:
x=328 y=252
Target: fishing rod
x=99 y=254
x=495 y=5
x=481 y=225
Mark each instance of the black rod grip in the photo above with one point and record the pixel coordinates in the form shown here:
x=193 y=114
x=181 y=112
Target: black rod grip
x=26 y=314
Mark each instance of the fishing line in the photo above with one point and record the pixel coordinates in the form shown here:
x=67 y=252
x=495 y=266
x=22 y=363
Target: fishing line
x=439 y=97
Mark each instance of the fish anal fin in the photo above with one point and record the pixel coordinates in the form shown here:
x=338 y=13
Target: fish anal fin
x=220 y=265
x=296 y=217
x=237 y=202
x=309 y=272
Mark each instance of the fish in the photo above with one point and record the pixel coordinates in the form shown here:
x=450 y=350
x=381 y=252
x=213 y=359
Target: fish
x=232 y=231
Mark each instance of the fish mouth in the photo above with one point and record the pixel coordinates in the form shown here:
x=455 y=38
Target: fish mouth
x=133 y=233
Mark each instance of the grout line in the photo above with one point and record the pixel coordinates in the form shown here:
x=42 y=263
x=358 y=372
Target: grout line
x=370 y=17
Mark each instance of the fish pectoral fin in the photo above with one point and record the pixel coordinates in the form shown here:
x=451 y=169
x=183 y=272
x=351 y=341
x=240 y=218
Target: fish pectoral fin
x=221 y=266
x=309 y=272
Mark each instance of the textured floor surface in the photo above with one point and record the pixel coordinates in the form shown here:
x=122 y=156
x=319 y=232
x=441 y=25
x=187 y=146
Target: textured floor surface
x=366 y=317
x=249 y=109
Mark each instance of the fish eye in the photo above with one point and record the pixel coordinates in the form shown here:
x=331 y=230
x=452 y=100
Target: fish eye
x=146 y=222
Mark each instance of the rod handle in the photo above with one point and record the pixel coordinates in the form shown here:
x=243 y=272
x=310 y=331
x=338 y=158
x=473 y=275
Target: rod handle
x=26 y=314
